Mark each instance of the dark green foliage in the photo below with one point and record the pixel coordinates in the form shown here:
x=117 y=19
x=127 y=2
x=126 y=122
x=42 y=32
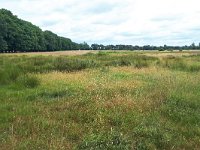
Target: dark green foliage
x=3 y=44
x=145 y=47
x=22 y=36
x=84 y=46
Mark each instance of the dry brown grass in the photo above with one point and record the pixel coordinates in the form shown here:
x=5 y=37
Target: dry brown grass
x=171 y=54
x=56 y=53
x=49 y=79
x=115 y=52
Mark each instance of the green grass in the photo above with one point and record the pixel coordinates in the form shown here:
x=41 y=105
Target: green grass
x=182 y=64
x=107 y=100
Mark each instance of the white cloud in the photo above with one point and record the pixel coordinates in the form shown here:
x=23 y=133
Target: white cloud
x=155 y=22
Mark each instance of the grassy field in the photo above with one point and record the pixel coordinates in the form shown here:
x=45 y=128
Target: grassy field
x=103 y=100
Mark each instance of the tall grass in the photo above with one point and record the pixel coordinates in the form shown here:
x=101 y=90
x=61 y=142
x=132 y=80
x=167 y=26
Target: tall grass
x=181 y=64
x=9 y=74
x=28 y=81
x=111 y=140
x=99 y=101
x=65 y=64
x=13 y=67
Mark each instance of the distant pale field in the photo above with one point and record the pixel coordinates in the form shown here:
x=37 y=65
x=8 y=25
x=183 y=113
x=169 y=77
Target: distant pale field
x=82 y=52
x=70 y=53
x=175 y=53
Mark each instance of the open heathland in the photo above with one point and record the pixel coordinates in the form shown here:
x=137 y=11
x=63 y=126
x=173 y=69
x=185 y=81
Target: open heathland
x=100 y=100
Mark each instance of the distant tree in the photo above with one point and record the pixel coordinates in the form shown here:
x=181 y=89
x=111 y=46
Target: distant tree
x=20 y=35
x=95 y=46
x=84 y=46
x=3 y=44
x=192 y=46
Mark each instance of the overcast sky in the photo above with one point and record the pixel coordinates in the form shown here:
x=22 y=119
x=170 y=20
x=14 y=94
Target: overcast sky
x=136 y=22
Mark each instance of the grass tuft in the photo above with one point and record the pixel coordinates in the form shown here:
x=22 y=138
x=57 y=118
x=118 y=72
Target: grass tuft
x=28 y=81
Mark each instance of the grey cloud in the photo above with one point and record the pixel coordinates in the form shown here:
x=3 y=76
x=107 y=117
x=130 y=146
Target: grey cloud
x=130 y=34
x=169 y=18
x=99 y=8
x=108 y=21
x=195 y=29
x=47 y=23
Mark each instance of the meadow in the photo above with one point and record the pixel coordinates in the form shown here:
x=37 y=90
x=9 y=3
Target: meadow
x=100 y=100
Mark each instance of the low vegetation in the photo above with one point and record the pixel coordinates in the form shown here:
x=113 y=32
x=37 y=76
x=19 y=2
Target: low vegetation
x=107 y=100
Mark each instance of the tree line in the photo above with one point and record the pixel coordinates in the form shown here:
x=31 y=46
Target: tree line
x=17 y=35
x=145 y=47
